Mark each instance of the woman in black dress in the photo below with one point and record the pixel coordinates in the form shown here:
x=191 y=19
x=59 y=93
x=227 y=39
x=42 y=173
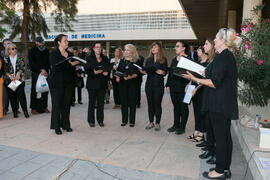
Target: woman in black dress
x=60 y=79
x=220 y=99
x=129 y=84
x=176 y=86
x=156 y=69
x=96 y=84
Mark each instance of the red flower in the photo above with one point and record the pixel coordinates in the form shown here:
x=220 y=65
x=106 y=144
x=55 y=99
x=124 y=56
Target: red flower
x=259 y=62
x=265 y=121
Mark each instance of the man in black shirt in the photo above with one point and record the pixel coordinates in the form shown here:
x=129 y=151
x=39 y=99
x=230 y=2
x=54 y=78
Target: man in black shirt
x=39 y=64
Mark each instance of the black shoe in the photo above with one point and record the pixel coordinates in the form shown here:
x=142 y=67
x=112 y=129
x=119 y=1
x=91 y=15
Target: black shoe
x=26 y=115
x=107 y=101
x=212 y=160
x=101 y=124
x=205 y=174
x=205 y=155
x=179 y=131
x=68 y=130
x=138 y=105
x=131 y=125
x=58 y=131
x=228 y=173
x=123 y=124
x=73 y=104
x=80 y=102
x=204 y=149
x=171 y=129
x=202 y=144
x=15 y=114
x=92 y=125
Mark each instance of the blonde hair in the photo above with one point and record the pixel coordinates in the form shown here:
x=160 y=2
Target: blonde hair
x=231 y=40
x=9 y=46
x=120 y=52
x=133 y=51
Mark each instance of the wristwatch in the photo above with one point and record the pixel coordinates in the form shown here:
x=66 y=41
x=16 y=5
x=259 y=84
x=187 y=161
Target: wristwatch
x=198 y=82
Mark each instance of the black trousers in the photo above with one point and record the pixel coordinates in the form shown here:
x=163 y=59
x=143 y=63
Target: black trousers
x=96 y=95
x=116 y=92
x=210 y=138
x=139 y=93
x=5 y=99
x=222 y=132
x=154 y=97
x=128 y=97
x=33 y=95
x=197 y=107
x=17 y=97
x=180 y=109
x=79 y=93
x=61 y=101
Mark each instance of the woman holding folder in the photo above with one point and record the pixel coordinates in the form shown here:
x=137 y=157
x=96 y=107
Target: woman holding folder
x=129 y=84
x=176 y=86
x=220 y=102
x=60 y=79
x=96 y=84
x=156 y=69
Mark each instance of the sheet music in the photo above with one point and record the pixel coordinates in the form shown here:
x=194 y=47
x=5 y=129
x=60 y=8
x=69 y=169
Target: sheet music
x=188 y=94
x=79 y=59
x=137 y=66
x=189 y=65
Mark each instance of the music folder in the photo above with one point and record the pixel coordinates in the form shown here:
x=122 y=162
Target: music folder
x=186 y=64
x=72 y=58
x=119 y=74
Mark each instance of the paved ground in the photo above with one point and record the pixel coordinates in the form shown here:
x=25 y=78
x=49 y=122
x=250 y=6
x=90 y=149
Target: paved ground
x=30 y=150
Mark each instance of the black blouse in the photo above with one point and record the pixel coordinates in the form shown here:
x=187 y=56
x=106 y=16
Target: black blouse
x=61 y=75
x=128 y=68
x=223 y=98
x=176 y=84
x=154 y=79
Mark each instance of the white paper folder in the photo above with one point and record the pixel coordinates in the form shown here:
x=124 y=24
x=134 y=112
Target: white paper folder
x=186 y=64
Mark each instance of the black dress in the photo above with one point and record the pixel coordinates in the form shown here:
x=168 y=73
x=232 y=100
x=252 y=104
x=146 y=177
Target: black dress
x=177 y=91
x=96 y=85
x=220 y=104
x=60 y=80
x=154 y=88
x=128 y=91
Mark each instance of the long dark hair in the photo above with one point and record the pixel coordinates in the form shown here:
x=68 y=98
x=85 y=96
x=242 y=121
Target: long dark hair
x=58 y=38
x=92 y=52
x=212 y=53
x=160 y=56
x=185 y=45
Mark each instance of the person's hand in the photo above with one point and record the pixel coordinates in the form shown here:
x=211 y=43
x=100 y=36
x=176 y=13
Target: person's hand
x=168 y=89
x=86 y=50
x=160 y=72
x=189 y=76
x=11 y=77
x=186 y=88
x=143 y=72
x=43 y=72
x=18 y=76
x=74 y=63
x=98 y=71
x=194 y=92
x=105 y=73
x=127 y=78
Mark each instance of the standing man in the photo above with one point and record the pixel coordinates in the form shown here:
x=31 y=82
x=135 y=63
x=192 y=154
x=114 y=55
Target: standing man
x=193 y=54
x=6 y=42
x=39 y=64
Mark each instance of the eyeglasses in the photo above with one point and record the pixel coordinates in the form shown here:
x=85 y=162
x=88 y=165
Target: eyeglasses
x=13 y=49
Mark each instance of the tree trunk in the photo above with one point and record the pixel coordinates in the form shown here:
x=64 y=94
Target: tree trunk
x=25 y=24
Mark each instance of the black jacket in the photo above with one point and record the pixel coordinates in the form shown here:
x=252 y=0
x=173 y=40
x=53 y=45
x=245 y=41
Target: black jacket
x=96 y=81
x=176 y=84
x=38 y=60
x=154 y=79
x=61 y=75
x=223 y=98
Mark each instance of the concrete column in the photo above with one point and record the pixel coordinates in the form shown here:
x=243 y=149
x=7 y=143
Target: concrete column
x=248 y=6
x=108 y=44
x=232 y=19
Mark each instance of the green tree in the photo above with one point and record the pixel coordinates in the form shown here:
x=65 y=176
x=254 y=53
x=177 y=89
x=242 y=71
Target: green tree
x=4 y=12
x=29 y=20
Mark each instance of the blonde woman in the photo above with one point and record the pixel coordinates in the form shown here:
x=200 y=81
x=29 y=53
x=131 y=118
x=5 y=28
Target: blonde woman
x=14 y=70
x=128 y=84
x=220 y=103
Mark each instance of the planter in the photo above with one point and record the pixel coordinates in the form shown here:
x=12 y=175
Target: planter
x=264 y=138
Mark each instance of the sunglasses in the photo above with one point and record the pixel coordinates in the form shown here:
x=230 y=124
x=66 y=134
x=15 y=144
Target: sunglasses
x=13 y=49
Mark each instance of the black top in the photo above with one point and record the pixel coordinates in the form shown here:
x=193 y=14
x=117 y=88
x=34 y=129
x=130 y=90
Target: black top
x=128 y=68
x=154 y=79
x=223 y=98
x=38 y=59
x=96 y=81
x=176 y=84
x=61 y=75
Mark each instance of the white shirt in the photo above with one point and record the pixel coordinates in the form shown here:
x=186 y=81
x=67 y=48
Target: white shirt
x=13 y=62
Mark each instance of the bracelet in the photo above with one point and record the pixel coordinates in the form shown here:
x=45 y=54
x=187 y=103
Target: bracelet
x=198 y=82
